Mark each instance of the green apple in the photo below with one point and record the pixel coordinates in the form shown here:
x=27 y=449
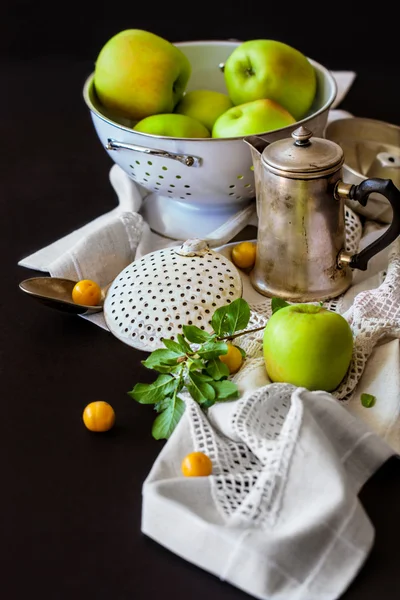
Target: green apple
x=204 y=105
x=308 y=346
x=251 y=118
x=271 y=69
x=172 y=125
x=138 y=73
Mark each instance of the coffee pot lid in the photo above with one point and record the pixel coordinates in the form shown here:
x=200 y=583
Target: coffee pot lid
x=301 y=157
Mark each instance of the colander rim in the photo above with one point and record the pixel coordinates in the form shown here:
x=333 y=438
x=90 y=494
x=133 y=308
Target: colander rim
x=89 y=85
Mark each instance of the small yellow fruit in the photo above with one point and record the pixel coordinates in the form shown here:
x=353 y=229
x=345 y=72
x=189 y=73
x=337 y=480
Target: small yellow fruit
x=196 y=464
x=99 y=416
x=244 y=255
x=233 y=359
x=86 y=292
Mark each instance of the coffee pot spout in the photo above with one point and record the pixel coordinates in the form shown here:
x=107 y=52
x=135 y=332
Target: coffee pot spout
x=257 y=145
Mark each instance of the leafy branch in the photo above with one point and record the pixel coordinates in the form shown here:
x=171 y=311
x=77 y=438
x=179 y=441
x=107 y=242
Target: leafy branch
x=192 y=363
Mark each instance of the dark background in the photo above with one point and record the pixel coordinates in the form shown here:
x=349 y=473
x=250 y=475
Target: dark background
x=70 y=501
x=341 y=35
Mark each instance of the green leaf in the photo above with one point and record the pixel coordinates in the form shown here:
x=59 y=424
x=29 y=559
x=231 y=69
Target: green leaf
x=183 y=344
x=199 y=389
x=277 y=304
x=150 y=393
x=161 y=360
x=207 y=403
x=166 y=421
x=195 y=364
x=242 y=352
x=195 y=334
x=217 y=369
x=231 y=318
x=368 y=400
x=212 y=350
x=173 y=346
x=163 y=404
x=225 y=390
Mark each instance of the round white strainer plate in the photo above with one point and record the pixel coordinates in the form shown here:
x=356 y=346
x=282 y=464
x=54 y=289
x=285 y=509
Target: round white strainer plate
x=155 y=296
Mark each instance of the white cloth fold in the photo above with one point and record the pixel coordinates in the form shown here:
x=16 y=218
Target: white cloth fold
x=279 y=517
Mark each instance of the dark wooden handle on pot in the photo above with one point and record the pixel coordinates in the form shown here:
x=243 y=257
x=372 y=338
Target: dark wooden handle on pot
x=361 y=193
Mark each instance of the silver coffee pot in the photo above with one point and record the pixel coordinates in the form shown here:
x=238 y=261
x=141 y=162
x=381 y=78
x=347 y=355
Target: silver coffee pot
x=300 y=198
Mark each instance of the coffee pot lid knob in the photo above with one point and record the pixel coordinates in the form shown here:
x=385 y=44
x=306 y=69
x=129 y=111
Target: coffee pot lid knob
x=302 y=136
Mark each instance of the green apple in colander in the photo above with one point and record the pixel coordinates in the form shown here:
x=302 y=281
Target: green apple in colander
x=138 y=73
x=271 y=69
x=204 y=106
x=251 y=118
x=172 y=125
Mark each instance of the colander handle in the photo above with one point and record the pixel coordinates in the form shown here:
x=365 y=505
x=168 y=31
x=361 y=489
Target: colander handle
x=185 y=159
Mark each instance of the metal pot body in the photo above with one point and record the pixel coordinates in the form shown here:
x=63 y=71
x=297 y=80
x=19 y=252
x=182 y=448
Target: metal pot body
x=301 y=234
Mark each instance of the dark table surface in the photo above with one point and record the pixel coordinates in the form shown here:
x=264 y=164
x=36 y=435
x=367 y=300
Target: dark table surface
x=70 y=503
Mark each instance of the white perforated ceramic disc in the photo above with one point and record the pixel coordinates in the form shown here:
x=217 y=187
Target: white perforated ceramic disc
x=155 y=296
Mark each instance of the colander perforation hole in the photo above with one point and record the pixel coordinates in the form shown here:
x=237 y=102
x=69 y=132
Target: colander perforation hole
x=178 y=177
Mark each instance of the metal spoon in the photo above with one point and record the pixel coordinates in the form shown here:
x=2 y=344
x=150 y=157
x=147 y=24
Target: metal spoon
x=56 y=292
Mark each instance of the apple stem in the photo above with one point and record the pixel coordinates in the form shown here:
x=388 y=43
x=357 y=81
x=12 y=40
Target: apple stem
x=235 y=335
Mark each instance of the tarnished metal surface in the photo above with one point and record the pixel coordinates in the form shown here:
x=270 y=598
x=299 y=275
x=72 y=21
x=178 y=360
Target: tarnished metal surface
x=301 y=232
x=301 y=226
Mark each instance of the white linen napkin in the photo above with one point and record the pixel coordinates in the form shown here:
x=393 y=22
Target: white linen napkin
x=279 y=517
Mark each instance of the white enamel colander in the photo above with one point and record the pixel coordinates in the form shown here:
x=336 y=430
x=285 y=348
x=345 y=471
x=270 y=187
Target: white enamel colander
x=192 y=186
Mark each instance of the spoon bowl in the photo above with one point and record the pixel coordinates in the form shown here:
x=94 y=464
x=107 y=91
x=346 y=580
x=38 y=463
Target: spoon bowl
x=56 y=292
